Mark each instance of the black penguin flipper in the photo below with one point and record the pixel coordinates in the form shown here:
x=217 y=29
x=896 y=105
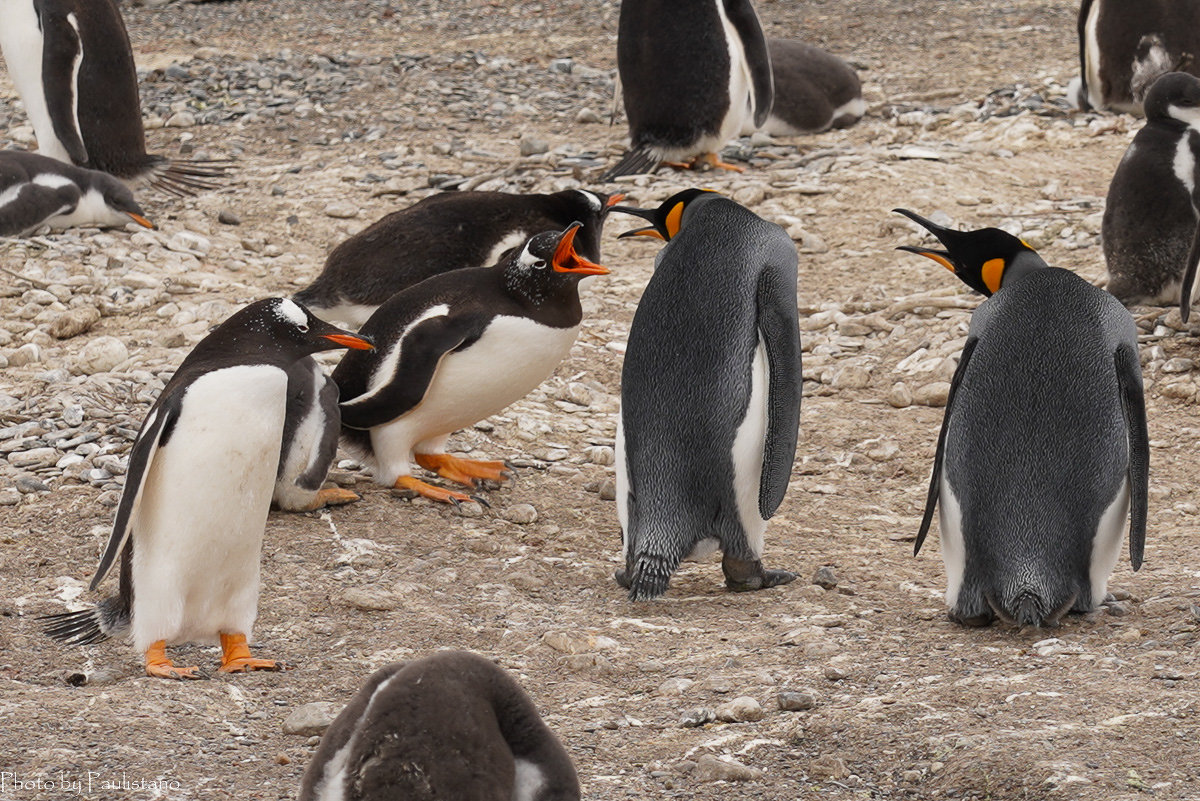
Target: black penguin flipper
x=935 y=477
x=754 y=44
x=779 y=332
x=1193 y=256
x=34 y=205
x=59 y=81
x=1133 y=404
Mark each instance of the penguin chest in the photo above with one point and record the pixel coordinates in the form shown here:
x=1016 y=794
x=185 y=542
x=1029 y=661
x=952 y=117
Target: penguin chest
x=741 y=86
x=22 y=43
x=90 y=209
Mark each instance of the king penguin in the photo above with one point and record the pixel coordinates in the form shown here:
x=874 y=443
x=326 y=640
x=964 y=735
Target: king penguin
x=455 y=349
x=814 y=91
x=694 y=74
x=72 y=64
x=448 y=231
x=1043 y=451
x=450 y=726
x=189 y=526
x=36 y=190
x=710 y=395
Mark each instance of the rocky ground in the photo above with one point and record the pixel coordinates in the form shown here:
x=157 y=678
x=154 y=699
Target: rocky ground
x=849 y=685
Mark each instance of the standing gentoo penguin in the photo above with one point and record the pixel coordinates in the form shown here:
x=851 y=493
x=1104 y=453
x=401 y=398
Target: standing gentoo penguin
x=72 y=64
x=710 y=396
x=190 y=522
x=36 y=191
x=455 y=349
x=693 y=72
x=450 y=726
x=449 y=231
x=814 y=91
x=1150 y=217
x=1043 y=449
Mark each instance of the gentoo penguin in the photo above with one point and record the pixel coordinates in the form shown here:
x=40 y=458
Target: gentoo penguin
x=450 y=726
x=814 y=91
x=454 y=349
x=1125 y=44
x=449 y=231
x=190 y=522
x=692 y=73
x=710 y=396
x=72 y=64
x=1043 y=449
x=1150 y=217
x=36 y=191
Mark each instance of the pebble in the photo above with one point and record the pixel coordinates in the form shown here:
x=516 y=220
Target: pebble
x=101 y=355
x=1179 y=364
x=834 y=673
x=310 y=719
x=181 y=119
x=227 y=217
x=341 y=210
x=26 y=354
x=724 y=769
x=899 y=396
x=852 y=377
x=531 y=146
x=935 y=394
x=694 y=718
x=586 y=116
x=828 y=766
x=74 y=322
x=370 y=599
x=740 y=710
x=520 y=513
x=796 y=700
x=35 y=458
x=578 y=643
x=676 y=685
x=10 y=496
x=608 y=490
x=825 y=578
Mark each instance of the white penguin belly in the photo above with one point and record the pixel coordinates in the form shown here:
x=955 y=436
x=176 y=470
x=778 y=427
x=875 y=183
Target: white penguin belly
x=740 y=113
x=21 y=42
x=954 y=550
x=747 y=454
x=1091 y=57
x=1106 y=545
x=90 y=210
x=199 y=521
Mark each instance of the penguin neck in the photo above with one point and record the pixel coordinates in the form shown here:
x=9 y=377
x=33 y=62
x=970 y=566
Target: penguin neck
x=1023 y=264
x=550 y=299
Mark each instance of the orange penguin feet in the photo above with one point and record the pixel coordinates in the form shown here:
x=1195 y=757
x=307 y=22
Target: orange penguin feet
x=235 y=657
x=159 y=666
x=331 y=496
x=711 y=159
x=462 y=471
x=430 y=491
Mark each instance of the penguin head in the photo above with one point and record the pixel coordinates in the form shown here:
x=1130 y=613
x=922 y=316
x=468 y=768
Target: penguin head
x=548 y=264
x=1174 y=98
x=295 y=330
x=667 y=219
x=118 y=197
x=591 y=203
x=984 y=259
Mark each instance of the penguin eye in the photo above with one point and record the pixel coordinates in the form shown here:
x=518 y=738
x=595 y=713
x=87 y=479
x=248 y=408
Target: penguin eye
x=540 y=264
x=303 y=328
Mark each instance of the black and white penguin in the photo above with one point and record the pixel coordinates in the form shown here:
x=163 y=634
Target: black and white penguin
x=1124 y=45
x=710 y=396
x=693 y=73
x=450 y=726
x=814 y=91
x=36 y=190
x=1043 y=450
x=72 y=64
x=455 y=349
x=189 y=526
x=449 y=231
x=1150 y=217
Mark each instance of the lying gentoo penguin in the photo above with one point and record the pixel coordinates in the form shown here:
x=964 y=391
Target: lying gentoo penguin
x=710 y=396
x=455 y=349
x=1043 y=450
x=1125 y=45
x=72 y=64
x=449 y=231
x=814 y=91
x=1150 y=217
x=692 y=73
x=190 y=522
x=450 y=726
x=36 y=191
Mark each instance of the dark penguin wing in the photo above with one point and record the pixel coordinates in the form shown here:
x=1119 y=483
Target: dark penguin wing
x=754 y=45
x=33 y=205
x=779 y=328
x=308 y=389
x=1133 y=404
x=61 y=51
x=935 y=479
x=1193 y=257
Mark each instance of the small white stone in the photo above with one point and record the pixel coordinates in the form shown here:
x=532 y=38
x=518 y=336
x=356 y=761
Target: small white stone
x=101 y=355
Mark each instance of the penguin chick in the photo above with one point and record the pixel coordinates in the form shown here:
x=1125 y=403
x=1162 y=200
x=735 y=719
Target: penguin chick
x=1043 y=450
x=190 y=522
x=449 y=231
x=455 y=349
x=450 y=726
x=36 y=191
x=814 y=91
x=710 y=395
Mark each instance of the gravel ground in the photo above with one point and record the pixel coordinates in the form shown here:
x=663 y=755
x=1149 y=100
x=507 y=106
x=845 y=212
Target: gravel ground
x=853 y=685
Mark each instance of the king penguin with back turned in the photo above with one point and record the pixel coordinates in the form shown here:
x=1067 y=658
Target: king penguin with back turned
x=189 y=526
x=710 y=395
x=1043 y=450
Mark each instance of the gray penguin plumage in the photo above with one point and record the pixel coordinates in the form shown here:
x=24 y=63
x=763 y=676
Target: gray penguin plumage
x=710 y=395
x=1043 y=451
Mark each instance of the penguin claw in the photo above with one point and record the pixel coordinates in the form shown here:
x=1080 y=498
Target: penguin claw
x=430 y=491
x=482 y=501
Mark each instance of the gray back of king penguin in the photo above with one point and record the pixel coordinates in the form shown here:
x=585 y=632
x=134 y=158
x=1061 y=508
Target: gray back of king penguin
x=710 y=395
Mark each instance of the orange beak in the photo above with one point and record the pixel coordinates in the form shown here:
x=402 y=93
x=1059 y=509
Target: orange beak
x=614 y=200
x=350 y=341
x=140 y=220
x=566 y=260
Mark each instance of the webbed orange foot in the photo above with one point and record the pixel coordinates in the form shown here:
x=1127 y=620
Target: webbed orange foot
x=463 y=471
x=430 y=491
x=158 y=666
x=236 y=658
x=331 y=496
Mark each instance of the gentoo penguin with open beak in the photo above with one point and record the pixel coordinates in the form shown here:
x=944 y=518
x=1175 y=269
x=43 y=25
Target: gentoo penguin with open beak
x=455 y=349
x=190 y=522
x=72 y=64
x=450 y=726
x=36 y=191
x=448 y=231
x=693 y=72
x=814 y=91
x=1043 y=451
x=710 y=396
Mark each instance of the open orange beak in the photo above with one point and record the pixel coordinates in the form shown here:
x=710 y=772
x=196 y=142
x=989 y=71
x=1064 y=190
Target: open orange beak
x=940 y=256
x=566 y=260
x=140 y=220
x=351 y=341
x=614 y=200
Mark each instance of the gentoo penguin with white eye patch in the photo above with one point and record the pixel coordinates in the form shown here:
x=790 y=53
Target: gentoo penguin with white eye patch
x=450 y=726
x=710 y=396
x=693 y=72
x=1043 y=450
x=1150 y=218
x=448 y=231
x=72 y=64
x=36 y=191
x=814 y=91
x=190 y=523
x=455 y=349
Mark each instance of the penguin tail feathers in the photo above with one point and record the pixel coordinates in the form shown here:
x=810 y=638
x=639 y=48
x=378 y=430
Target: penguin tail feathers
x=109 y=618
x=637 y=161
x=183 y=178
x=650 y=576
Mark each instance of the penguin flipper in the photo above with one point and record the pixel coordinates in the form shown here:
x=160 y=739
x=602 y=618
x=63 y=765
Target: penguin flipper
x=779 y=332
x=34 y=205
x=60 y=73
x=1133 y=404
x=1188 y=283
x=754 y=44
x=935 y=479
